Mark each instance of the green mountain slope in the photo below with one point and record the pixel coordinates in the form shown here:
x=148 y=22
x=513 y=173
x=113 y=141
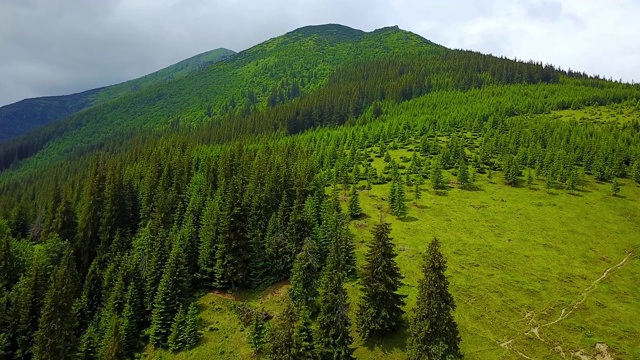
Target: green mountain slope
x=268 y=74
x=28 y=114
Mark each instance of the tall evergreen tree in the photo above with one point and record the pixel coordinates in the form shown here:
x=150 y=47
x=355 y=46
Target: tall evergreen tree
x=171 y=294
x=436 y=177
x=113 y=341
x=305 y=276
x=176 y=340
x=463 y=174
x=354 y=204
x=56 y=335
x=281 y=335
x=333 y=340
x=380 y=308
x=433 y=333
x=133 y=315
x=303 y=344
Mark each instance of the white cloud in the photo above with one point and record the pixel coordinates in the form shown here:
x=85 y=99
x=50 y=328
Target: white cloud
x=52 y=47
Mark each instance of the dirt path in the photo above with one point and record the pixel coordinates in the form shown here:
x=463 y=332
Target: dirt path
x=564 y=313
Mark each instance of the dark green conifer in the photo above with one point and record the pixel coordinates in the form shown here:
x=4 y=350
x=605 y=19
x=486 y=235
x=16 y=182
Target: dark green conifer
x=281 y=337
x=172 y=292
x=56 y=335
x=333 y=339
x=433 y=333
x=615 y=187
x=354 y=204
x=463 y=174
x=303 y=344
x=380 y=309
x=176 y=341
x=304 y=277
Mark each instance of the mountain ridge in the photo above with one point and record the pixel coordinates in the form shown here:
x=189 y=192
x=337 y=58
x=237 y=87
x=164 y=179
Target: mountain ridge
x=27 y=114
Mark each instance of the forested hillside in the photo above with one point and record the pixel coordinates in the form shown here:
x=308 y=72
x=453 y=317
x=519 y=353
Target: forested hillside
x=18 y=118
x=306 y=162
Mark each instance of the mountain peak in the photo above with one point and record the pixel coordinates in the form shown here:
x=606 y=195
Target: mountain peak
x=332 y=30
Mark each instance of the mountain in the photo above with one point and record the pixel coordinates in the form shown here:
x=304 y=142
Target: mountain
x=18 y=118
x=182 y=219
x=284 y=67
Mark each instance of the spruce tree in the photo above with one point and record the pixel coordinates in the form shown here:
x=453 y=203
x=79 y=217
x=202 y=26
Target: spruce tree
x=176 y=338
x=56 y=335
x=133 y=315
x=433 y=333
x=257 y=332
x=615 y=187
x=333 y=340
x=635 y=171
x=172 y=292
x=380 y=309
x=399 y=208
x=113 y=341
x=303 y=344
x=436 y=177
x=417 y=191
x=281 y=334
x=354 y=204
x=192 y=327
x=463 y=174
x=304 y=277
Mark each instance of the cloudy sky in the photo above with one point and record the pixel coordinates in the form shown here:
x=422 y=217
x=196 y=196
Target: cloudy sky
x=55 y=47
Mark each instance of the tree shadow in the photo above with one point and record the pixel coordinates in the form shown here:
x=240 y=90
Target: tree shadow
x=362 y=216
x=408 y=219
x=389 y=343
x=473 y=187
x=441 y=192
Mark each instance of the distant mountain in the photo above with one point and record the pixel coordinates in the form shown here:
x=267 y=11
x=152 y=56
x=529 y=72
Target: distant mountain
x=22 y=116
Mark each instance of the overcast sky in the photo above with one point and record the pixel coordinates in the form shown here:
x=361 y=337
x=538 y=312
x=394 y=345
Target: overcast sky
x=55 y=47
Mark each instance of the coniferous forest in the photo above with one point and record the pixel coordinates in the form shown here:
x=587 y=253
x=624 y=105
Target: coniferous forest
x=298 y=191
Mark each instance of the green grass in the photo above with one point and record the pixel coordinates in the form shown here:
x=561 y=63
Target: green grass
x=517 y=257
x=600 y=114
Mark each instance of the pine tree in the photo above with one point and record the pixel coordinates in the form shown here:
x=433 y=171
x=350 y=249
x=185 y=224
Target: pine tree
x=489 y=174
x=433 y=333
x=635 y=171
x=354 y=204
x=133 y=315
x=56 y=337
x=572 y=181
x=281 y=334
x=113 y=341
x=548 y=183
x=192 y=327
x=417 y=192
x=304 y=277
x=529 y=178
x=463 y=174
x=172 y=292
x=303 y=344
x=615 y=187
x=399 y=207
x=380 y=309
x=333 y=340
x=176 y=338
x=511 y=172
x=257 y=332
x=436 y=177
x=208 y=241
